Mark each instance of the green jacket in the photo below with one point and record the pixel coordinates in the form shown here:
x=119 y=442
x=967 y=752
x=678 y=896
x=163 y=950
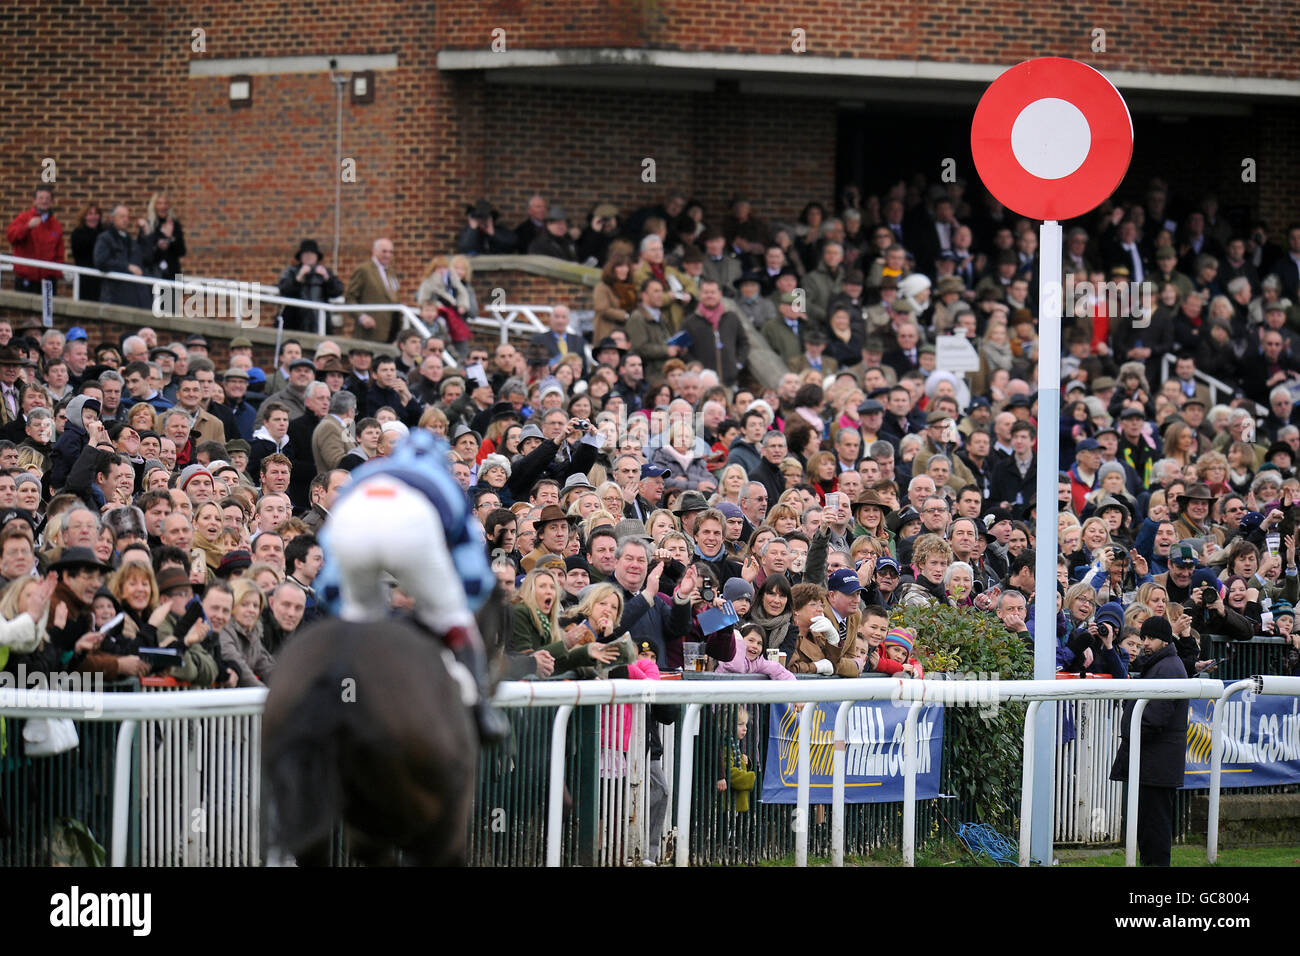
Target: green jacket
x=784 y=342
x=527 y=638
x=648 y=339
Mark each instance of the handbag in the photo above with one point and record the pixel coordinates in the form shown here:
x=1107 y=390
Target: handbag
x=49 y=736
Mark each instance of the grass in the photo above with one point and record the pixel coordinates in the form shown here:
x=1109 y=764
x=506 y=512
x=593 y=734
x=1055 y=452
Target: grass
x=1193 y=856
x=951 y=854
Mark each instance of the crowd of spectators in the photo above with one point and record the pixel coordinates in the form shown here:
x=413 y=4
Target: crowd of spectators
x=628 y=483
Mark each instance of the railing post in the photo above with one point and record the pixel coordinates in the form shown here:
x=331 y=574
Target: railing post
x=1216 y=769
x=690 y=725
x=586 y=795
x=837 y=783
x=909 y=784
x=122 y=792
x=555 y=801
x=1027 y=781
x=805 y=773
x=1134 y=772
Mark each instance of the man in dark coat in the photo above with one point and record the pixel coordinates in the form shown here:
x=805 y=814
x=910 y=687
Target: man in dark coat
x=1164 y=747
x=119 y=249
x=718 y=339
x=307 y=278
x=554 y=240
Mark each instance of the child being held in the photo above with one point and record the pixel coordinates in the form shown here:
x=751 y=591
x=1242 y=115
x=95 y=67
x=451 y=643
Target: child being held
x=749 y=657
x=896 y=656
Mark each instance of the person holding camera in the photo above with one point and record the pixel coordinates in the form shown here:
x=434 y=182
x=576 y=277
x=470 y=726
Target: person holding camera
x=307 y=278
x=1096 y=647
x=1164 y=743
x=482 y=235
x=1212 y=615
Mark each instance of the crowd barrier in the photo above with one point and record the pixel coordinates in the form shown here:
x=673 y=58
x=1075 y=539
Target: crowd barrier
x=189 y=767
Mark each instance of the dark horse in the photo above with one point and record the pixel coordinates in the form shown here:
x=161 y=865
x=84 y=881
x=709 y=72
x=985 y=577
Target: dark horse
x=364 y=726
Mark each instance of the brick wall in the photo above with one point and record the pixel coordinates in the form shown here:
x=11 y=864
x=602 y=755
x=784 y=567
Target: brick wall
x=106 y=94
x=1222 y=37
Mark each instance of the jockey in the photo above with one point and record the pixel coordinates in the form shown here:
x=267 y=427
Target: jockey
x=405 y=515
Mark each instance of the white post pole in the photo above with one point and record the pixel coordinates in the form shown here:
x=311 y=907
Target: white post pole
x=1027 y=780
x=555 y=803
x=1216 y=768
x=1049 y=412
x=909 y=784
x=1134 y=776
x=804 y=787
x=122 y=792
x=837 y=783
x=690 y=727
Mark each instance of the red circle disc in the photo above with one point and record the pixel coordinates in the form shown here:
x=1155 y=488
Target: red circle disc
x=1109 y=151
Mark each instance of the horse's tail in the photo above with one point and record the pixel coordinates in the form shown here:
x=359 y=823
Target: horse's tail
x=301 y=766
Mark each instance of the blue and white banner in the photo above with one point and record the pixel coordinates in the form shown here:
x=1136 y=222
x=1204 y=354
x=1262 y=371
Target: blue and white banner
x=873 y=753
x=1261 y=742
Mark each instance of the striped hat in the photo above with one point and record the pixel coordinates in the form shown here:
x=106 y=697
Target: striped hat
x=900 y=636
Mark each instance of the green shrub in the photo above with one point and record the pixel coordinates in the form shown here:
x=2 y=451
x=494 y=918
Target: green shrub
x=975 y=644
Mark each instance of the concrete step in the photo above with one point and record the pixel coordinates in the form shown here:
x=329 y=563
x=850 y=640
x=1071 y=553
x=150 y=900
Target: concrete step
x=1250 y=819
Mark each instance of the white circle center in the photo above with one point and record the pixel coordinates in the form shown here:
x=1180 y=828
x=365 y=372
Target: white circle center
x=1050 y=138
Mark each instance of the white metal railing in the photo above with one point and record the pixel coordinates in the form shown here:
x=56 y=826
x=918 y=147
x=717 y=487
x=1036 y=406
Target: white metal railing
x=567 y=695
x=1217 y=386
x=504 y=318
x=234 y=291
x=1088 y=804
x=199 y=791
x=619 y=801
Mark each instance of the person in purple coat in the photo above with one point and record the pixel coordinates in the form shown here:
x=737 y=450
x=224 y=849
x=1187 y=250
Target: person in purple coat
x=749 y=657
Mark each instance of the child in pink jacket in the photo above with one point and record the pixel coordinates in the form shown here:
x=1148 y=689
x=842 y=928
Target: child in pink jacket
x=749 y=658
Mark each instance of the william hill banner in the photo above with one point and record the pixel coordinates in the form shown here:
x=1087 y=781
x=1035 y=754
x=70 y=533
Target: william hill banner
x=1261 y=742
x=873 y=753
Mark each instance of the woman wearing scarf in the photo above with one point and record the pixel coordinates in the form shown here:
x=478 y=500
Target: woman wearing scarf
x=614 y=297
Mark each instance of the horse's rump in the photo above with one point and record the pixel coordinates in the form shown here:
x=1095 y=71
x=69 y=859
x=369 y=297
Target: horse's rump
x=364 y=725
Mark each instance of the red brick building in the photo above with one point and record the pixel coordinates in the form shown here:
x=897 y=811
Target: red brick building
x=781 y=103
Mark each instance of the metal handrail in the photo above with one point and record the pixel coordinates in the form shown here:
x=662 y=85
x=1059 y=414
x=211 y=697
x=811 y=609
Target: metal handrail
x=232 y=288
x=133 y=707
x=1217 y=386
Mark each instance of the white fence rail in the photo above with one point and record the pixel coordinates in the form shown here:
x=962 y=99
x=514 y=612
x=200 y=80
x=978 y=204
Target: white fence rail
x=1089 y=805
x=232 y=297
x=203 y=753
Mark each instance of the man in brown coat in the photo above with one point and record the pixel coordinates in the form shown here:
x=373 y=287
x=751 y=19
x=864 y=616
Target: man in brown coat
x=334 y=437
x=373 y=284
x=819 y=649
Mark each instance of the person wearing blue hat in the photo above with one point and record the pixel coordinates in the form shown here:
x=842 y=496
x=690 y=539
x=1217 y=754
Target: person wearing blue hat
x=650 y=490
x=882 y=576
x=1096 y=647
x=1184 y=557
x=1283 y=624
x=843 y=599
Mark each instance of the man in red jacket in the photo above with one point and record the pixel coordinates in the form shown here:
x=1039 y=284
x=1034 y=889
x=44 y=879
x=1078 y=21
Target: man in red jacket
x=36 y=234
